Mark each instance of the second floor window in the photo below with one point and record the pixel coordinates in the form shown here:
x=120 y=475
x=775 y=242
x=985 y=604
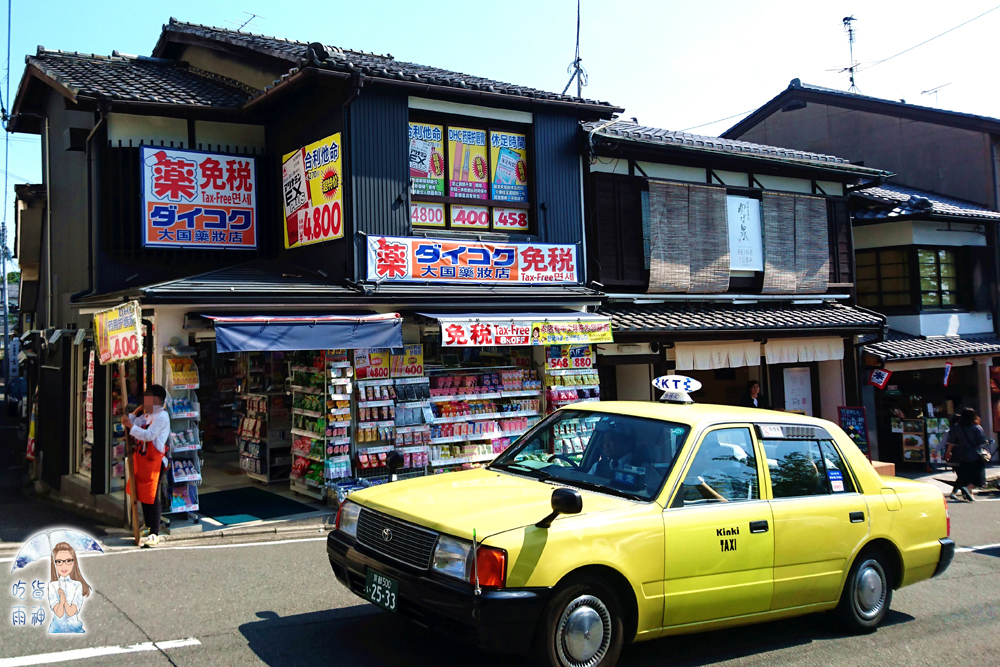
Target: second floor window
x=908 y=279
x=468 y=177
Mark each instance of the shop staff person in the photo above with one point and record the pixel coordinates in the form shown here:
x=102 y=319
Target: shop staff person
x=150 y=431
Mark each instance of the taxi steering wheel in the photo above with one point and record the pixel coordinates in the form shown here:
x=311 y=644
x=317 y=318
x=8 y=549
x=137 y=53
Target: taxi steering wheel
x=566 y=458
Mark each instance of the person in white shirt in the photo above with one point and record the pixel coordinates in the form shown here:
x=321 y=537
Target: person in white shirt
x=66 y=590
x=150 y=432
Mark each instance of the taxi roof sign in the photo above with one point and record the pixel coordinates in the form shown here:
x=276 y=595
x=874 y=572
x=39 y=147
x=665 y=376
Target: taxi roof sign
x=676 y=388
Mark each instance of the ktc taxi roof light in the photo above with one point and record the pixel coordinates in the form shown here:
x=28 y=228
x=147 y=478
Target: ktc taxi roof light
x=491 y=564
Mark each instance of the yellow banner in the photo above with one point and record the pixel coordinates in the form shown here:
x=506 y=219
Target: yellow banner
x=371 y=364
x=118 y=332
x=509 y=160
x=571 y=333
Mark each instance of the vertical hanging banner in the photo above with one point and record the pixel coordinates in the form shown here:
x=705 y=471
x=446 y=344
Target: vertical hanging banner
x=427 y=159
x=200 y=200
x=509 y=159
x=118 y=333
x=312 y=192
x=88 y=403
x=468 y=170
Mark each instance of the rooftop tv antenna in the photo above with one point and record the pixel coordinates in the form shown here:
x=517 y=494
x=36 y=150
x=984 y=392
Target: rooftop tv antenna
x=575 y=70
x=849 y=27
x=934 y=91
x=247 y=22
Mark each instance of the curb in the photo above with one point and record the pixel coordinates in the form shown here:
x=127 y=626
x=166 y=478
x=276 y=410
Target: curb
x=282 y=529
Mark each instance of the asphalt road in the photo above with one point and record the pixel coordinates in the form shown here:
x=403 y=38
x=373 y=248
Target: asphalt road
x=278 y=604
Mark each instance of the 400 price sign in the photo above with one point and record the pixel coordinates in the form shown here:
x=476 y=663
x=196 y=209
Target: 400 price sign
x=119 y=333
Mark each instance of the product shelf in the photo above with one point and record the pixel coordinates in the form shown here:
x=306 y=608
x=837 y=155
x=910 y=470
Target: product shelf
x=459 y=460
x=308 y=434
x=307 y=413
x=316 y=391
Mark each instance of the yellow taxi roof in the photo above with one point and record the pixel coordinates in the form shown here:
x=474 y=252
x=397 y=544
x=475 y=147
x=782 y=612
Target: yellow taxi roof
x=697 y=413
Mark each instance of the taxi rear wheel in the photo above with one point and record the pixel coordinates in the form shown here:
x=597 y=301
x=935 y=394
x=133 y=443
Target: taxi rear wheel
x=581 y=626
x=867 y=593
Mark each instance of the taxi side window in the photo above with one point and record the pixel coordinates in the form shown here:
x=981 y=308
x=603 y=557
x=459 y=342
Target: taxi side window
x=724 y=469
x=836 y=470
x=805 y=468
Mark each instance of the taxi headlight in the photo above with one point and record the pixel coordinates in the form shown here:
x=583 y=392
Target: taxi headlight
x=451 y=557
x=347 y=518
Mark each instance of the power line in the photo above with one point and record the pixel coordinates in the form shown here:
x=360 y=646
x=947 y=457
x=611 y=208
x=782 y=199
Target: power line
x=932 y=38
x=736 y=115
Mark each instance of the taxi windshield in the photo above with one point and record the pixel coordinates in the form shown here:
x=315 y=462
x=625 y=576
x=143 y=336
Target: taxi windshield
x=619 y=454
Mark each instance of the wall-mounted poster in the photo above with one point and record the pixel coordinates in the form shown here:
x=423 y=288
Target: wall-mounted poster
x=427 y=159
x=192 y=199
x=313 y=193
x=798 y=390
x=509 y=159
x=468 y=168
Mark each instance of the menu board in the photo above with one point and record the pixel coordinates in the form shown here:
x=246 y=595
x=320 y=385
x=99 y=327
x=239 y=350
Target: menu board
x=914 y=441
x=854 y=421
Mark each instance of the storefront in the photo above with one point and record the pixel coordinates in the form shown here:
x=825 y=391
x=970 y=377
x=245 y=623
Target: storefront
x=802 y=355
x=915 y=387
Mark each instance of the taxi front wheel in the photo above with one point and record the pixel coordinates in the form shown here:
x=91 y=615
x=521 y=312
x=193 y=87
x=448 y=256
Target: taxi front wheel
x=581 y=626
x=867 y=593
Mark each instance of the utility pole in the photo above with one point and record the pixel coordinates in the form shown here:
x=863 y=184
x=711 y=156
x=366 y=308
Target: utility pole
x=6 y=313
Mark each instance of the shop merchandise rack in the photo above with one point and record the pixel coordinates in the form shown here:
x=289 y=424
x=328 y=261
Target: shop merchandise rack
x=184 y=462
x=117 y=466
x=264 y=437
x=476 y=414
x=322 y=385
x=571 y=385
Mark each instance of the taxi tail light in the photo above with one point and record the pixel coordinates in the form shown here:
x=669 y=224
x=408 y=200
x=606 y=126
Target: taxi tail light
x=491 y=564
x=947 y=515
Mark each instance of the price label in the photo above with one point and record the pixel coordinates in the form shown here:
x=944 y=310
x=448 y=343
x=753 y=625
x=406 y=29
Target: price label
x=321 y=223
x=569 y=356
x=410 y=363
x=371 y=364
x=430 y=215
x=475 y=217
x=511 y=219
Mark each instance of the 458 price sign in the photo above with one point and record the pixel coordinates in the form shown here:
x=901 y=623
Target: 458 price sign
x=119 y=333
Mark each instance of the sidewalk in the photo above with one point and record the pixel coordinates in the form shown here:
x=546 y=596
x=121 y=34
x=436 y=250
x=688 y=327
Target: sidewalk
x=945 y=476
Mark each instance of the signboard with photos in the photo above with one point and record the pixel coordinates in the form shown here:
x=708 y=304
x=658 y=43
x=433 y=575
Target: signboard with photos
x=312 y=192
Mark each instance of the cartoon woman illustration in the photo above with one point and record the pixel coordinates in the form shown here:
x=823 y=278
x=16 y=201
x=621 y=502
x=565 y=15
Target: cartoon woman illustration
x=66 y=590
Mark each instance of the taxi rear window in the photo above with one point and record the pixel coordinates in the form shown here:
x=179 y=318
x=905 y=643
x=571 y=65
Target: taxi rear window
x=806 y=468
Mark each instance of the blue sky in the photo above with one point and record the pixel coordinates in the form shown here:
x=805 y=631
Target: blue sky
x=670 y=64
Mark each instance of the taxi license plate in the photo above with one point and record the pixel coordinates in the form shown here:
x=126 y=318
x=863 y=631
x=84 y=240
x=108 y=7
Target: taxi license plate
x=381 y=590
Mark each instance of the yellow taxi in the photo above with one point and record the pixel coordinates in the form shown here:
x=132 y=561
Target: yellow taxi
x=623 y=521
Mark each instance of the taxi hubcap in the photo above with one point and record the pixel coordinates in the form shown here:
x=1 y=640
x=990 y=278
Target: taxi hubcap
x=870 y=589
x=584 y=632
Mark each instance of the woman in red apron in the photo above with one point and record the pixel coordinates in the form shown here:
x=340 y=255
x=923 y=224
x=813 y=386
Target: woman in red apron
x=150 y=432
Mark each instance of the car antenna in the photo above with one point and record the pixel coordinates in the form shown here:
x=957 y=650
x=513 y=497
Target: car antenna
x=475 y=562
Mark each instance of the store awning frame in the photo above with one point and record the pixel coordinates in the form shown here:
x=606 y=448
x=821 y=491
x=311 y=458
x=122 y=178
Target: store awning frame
x=289 y=333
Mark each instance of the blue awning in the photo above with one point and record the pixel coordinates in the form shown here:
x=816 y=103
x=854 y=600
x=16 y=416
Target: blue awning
x=287 y=333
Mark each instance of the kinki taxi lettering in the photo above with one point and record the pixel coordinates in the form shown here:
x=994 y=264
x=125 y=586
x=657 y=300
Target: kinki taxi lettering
x=727 y=545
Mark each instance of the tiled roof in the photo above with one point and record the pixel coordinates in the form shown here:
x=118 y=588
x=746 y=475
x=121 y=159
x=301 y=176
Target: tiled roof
x=666 y=318
x=900 y=200
x=370 y=64
x=899 y=346
x=630 y=131
x=137 y=79
x=899 y=108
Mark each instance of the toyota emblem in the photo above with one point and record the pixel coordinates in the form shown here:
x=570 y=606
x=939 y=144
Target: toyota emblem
x=386 y=535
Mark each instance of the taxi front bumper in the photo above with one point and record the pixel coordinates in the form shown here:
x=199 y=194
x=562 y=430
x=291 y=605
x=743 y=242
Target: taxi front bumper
x=500 y=621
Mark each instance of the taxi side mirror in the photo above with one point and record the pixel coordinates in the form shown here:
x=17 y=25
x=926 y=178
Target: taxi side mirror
x=564 y=501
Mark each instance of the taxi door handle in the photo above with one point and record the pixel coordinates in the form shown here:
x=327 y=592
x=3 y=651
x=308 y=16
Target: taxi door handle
x=857 y=517
x=758 y=526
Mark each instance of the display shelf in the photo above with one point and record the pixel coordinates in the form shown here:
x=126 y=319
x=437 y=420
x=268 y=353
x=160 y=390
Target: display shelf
x=306 y=489
x=259 y=478
x=339 y=441
x=375 y=404
x=471 y=437
x=377 y=424
x=307 y=456
x=184 y=415
x=378 y=449
x=485 y=417
x=344 y=423
x=575 y=386
x=338 y=397
x=414 y=449
x=307 y=369
x=340 y=380
x=308 y=434
x=425 y=403
x=592 y=399
x=464 y=397
x=187 y=478
x=307 y=413
x=459 y=460
x=315 y=391
x=571 y=371
x=185 y=448
x=520 y=393
x=380 y=382
x=338 y=364
x=338 y=411
x=413 y=428
x=413 y=380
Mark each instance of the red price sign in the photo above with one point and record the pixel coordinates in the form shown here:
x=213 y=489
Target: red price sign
x=510 y=218
x=470 y=216
x=582 y=362
x=322 y=223
x=430 y=215
x=569 y=356
x=118 y=333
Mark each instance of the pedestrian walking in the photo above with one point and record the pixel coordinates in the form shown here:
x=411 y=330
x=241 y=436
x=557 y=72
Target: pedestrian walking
x=965 y=439
x=151 y=431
